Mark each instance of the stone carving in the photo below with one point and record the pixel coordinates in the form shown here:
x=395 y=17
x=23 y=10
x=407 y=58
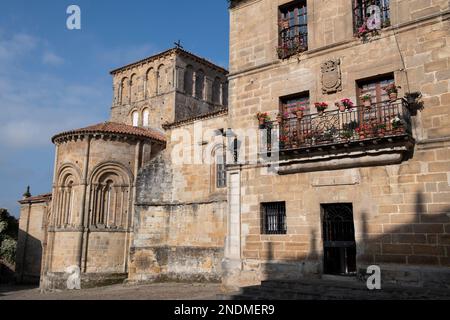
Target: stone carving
x=74 y=281
x=331 y=76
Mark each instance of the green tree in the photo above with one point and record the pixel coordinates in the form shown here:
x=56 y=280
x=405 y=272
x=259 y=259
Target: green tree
x=9 y=228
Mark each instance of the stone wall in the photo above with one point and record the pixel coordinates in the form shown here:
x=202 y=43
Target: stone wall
x=32 y=236
x=180 y=216
x=401 y=210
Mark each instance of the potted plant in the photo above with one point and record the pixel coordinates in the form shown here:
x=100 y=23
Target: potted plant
x=345 y=104
x=299 y=112
x=284 y=141
x=381 y=130
x=321 y=107
x=392 y=91
x=367 y=100
x=397 y=125
x=363 y=131
x=279 y=118
x=264 y=119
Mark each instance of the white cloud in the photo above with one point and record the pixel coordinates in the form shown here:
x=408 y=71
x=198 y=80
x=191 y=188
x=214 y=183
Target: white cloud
x=51 y=59
x=35 y=105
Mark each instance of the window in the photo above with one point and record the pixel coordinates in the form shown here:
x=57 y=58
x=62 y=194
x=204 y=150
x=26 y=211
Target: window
x=291 y=126
x=293 y=24
x=145 y=118
x=135 y=118
x=216 y=91
x=370 y=15
x=379 y=97
x=188 y=80
x=221 y=172
x=274 y=218
x=199 y=84
x=374 y=87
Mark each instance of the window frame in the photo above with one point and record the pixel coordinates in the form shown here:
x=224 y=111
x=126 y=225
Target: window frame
x=360 y=15
x=280 y=221
x=292 y=38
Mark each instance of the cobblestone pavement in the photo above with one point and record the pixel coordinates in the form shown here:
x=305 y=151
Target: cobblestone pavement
x=159 y=291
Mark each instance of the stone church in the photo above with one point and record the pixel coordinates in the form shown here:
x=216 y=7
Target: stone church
x=324 y=149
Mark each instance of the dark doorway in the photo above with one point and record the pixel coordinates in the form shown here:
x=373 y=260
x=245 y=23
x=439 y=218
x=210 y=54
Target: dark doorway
x=339 y=239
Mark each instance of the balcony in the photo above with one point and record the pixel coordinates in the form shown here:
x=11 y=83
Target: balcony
x=364 y=132
x=293 y=40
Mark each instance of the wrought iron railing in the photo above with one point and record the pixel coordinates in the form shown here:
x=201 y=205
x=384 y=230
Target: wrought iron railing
x=367 y=12
x=358 y=124
x=293 y=39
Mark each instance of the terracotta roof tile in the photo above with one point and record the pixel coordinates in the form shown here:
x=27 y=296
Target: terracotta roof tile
x=118 y=128
x=39 y=198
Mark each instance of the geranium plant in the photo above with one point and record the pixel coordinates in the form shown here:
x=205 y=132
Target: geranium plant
x=321 y=106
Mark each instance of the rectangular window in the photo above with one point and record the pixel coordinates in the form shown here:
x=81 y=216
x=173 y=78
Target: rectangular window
x=293 y=22
x=374 y=87
x=381 y=107
x=370 y=15
x=274 y=218
x=294 y=110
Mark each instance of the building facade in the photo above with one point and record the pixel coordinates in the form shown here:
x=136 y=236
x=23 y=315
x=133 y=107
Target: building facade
x=367 y=185
x=333 y=155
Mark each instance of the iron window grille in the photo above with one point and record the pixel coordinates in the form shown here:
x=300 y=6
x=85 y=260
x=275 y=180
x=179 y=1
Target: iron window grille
x=293 y=26
x=274 y=218
x=371 y=15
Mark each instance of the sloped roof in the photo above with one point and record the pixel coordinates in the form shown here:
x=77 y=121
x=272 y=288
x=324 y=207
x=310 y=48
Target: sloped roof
x=35 y=199
x=116 y=128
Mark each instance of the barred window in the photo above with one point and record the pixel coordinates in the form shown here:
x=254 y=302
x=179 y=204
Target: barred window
x=370 y=15
x=293 y=24
x=274 y=218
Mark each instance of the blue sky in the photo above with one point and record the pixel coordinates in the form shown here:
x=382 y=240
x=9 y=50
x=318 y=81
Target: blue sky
x=53 y=79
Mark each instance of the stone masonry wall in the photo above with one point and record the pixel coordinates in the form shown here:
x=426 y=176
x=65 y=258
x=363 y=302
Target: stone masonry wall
x=401 y=212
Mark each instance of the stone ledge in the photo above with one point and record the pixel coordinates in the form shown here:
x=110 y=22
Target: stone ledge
x=344 y=161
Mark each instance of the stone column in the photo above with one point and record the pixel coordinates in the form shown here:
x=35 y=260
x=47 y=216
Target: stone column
x=83 y=222
x=232 y=263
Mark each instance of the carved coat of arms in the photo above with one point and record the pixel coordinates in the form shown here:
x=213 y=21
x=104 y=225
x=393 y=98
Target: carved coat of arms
x=331 y=76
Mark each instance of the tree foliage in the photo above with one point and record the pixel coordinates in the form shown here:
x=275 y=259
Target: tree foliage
x=9 y=228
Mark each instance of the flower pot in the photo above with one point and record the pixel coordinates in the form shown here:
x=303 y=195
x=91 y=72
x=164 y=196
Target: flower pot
x=367 y=103
x=261 y=121
x=342 y=108
x=321 y=112
x=279 y=119
x=393 y=96
x=299 y=114
x=362 y=137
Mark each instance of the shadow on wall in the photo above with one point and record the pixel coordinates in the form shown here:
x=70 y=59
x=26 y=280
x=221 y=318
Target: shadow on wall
x=415 y=253
x=28 y=259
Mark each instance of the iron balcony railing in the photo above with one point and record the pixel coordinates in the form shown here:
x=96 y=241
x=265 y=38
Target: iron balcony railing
x=293 y=39
x=361 y=123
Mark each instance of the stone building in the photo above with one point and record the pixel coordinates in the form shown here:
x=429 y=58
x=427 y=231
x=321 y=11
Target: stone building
x=336 y=145
x=334 y=192
x=120 y=208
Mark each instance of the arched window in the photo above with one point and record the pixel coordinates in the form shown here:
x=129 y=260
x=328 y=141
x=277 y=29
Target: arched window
x=188 y=80
x=110 y=197
x=199 y=84
x=216 y=91
x=124 y=91
x=134 y=88
x=221 y=172
x=135 y=118
x=150 y=82
x=161 y=79
x=145 y=117
x=225 y=94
